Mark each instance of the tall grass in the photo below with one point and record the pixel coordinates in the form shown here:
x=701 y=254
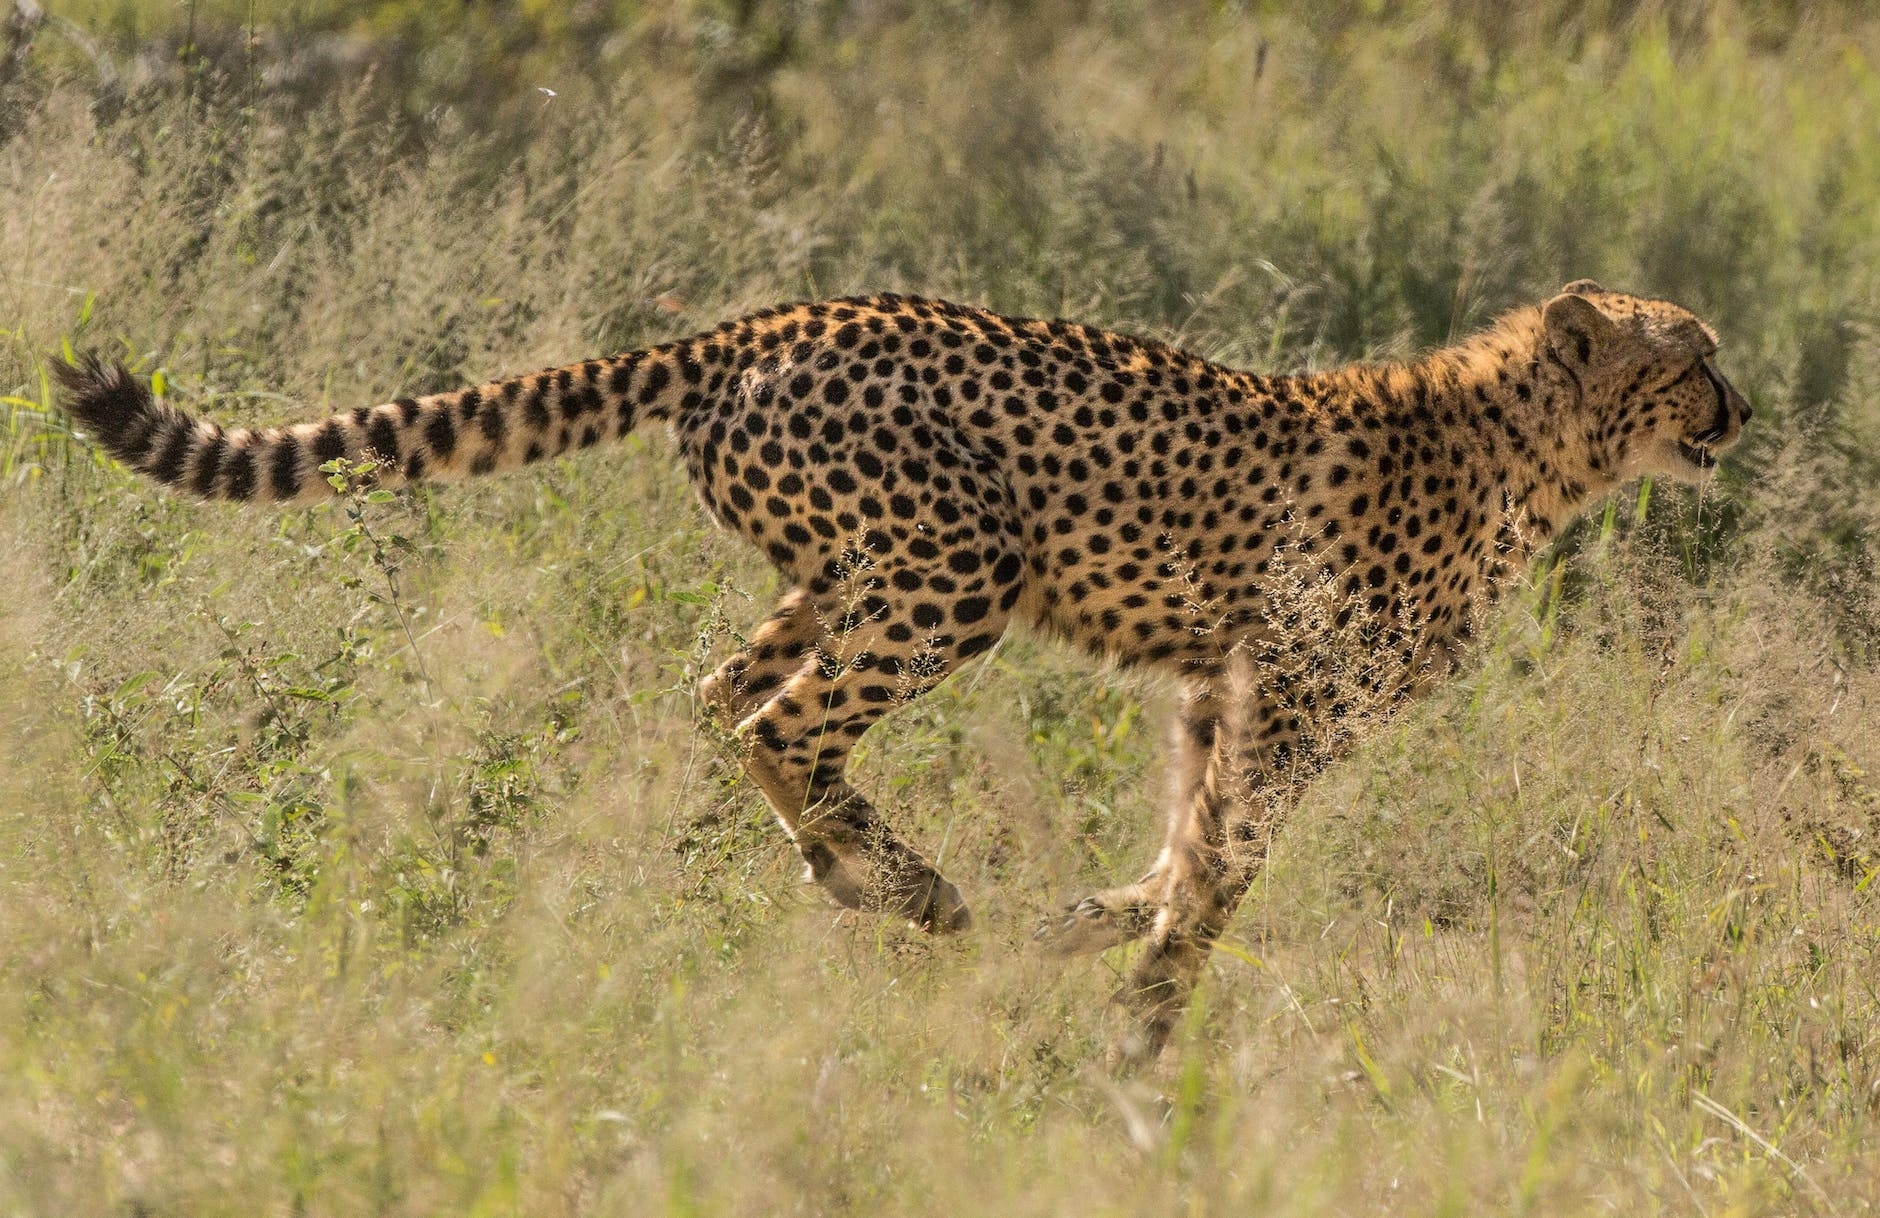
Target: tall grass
x=370 y=858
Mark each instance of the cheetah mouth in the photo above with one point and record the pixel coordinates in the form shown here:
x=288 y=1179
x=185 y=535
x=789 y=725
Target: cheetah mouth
x=1698 y=452
x=1701 y=450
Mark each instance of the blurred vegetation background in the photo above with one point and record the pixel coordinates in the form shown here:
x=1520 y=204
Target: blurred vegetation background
x=368 y=857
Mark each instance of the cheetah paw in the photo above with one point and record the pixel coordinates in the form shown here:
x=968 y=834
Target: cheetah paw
x=1093 y=924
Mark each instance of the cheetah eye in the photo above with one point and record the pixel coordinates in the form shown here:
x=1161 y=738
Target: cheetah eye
x=1693 y=371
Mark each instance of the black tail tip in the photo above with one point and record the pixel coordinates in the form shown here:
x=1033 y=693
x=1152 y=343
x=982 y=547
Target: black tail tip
x=106 y=398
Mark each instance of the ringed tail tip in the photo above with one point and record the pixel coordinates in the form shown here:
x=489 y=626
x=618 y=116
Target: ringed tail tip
x=106 y=398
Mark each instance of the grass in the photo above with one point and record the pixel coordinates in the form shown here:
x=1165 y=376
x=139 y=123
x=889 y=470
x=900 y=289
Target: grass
x=370 y=858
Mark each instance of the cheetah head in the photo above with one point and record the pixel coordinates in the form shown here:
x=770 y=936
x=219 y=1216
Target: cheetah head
x=1646 y=370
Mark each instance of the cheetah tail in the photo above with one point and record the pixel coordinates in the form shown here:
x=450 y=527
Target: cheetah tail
x=478 y=430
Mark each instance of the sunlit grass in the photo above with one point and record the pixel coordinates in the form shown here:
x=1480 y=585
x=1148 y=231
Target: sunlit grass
x=374 y=860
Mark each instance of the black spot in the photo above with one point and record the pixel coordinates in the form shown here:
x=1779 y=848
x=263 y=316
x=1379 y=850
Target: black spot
x=382 y=437
x=975 y=644
x=577 y=402
x=168 y=467
x=657 y=375
x=241 y=474
x=441 y=434
x=209 y=461
x=535 y=406
x=329 y=443
x=284 y=469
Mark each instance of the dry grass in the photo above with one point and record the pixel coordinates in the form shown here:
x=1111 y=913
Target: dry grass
x=374 y=861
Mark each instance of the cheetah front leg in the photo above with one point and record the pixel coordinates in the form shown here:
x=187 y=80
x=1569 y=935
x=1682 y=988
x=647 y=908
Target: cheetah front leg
x=1118 y=915
x=1104 y=919
x=1254 y=778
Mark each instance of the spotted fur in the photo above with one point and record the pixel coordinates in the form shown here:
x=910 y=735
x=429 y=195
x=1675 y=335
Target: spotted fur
x=923 y=474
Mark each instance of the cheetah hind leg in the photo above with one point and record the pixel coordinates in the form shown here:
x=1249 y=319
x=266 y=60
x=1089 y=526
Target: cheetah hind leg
x=852 y=854
x=897 y=629
x=1103 y=920
x=797 y=746
x=849 y=849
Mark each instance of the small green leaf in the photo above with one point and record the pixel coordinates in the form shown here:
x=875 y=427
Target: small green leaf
x=133 y=684
x=380 y=496
x=159 y=384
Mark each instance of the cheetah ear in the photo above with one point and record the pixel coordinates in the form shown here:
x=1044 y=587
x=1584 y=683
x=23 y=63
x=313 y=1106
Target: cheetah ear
x=1580 y=287
x=1576 y=329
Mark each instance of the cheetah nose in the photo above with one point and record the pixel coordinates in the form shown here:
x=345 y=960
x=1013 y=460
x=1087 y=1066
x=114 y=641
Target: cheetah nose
x=1740 y=402
x=1735 y=402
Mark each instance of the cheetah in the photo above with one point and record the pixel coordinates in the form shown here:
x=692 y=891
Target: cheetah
x=923 y=474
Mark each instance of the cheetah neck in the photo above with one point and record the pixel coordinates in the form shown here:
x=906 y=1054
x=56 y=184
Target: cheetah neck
x=1520 y=420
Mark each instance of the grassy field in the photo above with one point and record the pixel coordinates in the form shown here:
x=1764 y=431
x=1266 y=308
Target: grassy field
x=370 y=858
